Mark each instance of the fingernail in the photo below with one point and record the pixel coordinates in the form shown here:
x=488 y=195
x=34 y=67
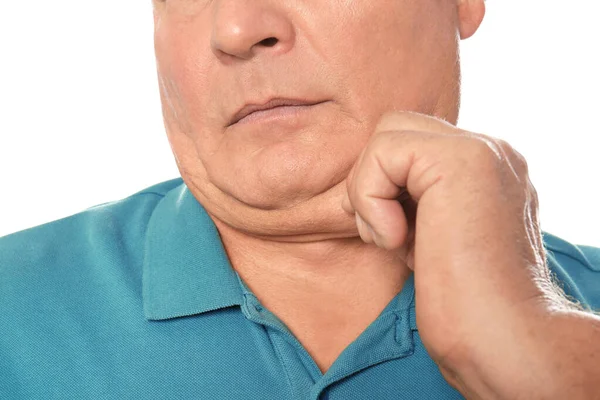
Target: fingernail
x=375 y=236
x=359 y=222
x=362 y=228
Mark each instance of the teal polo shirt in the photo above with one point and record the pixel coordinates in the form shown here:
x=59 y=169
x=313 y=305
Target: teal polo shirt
x=136 y=299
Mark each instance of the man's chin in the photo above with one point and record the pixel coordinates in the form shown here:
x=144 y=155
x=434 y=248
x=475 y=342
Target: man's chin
x=273 y=198
x=316 y=215
x=272 y=190
x=297 y=227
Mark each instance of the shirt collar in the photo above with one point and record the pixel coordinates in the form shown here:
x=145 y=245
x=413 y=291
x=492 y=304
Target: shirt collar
x=186 y=270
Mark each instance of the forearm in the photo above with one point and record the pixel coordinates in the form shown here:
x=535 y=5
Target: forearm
x=572 y=356
x=558 y=357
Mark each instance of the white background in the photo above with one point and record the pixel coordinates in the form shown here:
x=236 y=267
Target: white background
x=80 y=119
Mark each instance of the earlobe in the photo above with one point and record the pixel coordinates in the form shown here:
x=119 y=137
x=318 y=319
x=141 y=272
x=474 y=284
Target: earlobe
x=470 y=15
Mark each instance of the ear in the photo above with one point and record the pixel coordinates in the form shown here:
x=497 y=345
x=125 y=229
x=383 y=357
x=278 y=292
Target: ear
x=470 y=15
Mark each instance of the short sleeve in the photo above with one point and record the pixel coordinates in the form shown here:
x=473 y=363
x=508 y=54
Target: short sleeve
x=576 y=269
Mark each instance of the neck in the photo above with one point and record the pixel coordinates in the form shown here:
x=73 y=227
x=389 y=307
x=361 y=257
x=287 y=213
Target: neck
x=340 y=271
x=325 y=291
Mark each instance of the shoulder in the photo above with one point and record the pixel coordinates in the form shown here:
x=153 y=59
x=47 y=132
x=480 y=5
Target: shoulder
x=107 y=234
x=576 y=268
x=66 y=287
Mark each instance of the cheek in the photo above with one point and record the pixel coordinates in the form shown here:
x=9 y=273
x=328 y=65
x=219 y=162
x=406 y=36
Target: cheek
x=390 y=62
x=185 y=66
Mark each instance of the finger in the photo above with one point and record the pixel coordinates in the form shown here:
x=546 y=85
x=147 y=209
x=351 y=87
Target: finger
x=396 y=162
x=346 y=203
x=399 y=121
x=383 y=216
x=374 y=195
x=412 y=121
x=366 y=232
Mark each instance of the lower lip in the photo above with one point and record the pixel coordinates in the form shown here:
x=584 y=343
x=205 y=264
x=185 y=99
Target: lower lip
x=277 y=114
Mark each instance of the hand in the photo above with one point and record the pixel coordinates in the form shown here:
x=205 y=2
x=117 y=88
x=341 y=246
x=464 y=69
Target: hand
x=461 y=209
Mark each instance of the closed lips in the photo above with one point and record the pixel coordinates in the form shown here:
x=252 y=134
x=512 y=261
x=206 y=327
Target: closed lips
x=277 y=102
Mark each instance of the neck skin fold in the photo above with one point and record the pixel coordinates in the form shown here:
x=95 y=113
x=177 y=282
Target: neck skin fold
x=345 y=275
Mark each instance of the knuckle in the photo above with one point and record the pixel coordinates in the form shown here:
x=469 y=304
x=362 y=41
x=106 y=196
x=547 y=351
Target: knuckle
x=533 y=191
x=503 y=144
x=516 y=159
x=521 y=162
x=484 y=149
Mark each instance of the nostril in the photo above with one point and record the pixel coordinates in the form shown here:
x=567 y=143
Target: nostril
x=269 y=42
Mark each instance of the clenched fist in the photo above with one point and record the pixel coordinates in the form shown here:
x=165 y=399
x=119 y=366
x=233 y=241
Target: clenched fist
x=461 y=209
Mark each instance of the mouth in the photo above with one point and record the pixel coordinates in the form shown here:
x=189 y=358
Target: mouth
x=274 y=108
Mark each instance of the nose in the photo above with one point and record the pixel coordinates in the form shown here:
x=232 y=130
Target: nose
x=244 y=28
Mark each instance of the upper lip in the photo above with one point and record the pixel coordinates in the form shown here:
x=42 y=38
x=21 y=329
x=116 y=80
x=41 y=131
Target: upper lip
x=272 y=103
